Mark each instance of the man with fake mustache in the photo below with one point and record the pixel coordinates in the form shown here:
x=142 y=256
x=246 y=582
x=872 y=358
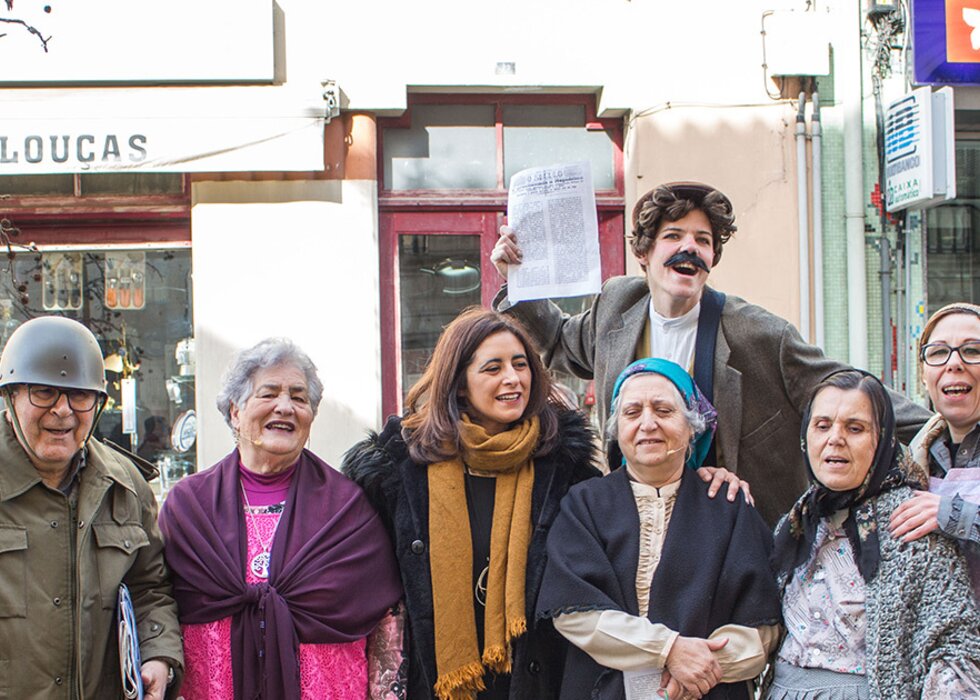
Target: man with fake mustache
x=751 y=364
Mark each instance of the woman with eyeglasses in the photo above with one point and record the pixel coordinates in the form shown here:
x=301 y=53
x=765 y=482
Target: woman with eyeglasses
x=949 y=444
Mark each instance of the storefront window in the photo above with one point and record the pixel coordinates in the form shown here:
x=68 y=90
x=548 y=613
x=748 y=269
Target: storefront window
x=953 y=236
x=138 y=304
x=456 y=146
x=446 y=147
x=444 y=168
x=540 y=135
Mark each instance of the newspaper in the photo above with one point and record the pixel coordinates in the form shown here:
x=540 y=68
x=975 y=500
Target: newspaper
x=642 y=685
x=552 y=212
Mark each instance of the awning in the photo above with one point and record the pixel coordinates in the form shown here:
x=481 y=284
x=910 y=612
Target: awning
x=161 y=129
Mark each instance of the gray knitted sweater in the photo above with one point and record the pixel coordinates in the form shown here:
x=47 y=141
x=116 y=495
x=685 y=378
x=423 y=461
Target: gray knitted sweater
x=920 y=609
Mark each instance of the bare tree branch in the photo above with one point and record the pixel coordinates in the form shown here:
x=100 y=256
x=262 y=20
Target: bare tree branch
x=29 y=27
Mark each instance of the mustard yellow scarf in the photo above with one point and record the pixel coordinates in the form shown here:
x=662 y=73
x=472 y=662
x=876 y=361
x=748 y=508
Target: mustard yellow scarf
x=459 y=664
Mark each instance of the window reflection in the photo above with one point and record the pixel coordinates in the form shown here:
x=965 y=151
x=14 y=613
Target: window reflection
x=447 y=147
x=438 y=276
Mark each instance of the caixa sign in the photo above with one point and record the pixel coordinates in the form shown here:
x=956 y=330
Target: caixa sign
x=80 y=150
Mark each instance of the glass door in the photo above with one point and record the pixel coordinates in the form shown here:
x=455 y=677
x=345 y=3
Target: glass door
x=434 y=265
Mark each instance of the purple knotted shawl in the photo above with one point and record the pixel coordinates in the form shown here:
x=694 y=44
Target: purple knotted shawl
x=332 y=576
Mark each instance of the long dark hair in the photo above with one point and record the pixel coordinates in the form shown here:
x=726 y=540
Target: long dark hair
x=434 y=405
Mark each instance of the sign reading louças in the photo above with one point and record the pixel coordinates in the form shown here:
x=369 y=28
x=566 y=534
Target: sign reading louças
x=52 y=149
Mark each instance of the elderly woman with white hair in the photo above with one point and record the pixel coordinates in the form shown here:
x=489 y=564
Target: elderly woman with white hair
x=654 y=582
x=281 y=567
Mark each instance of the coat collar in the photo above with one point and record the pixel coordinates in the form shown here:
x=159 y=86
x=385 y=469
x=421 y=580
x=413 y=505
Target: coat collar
x=18 y=475
x=727 y=401
x=622 y=340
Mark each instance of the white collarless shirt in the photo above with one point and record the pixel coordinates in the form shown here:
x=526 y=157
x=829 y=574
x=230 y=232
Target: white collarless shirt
x=674 y=338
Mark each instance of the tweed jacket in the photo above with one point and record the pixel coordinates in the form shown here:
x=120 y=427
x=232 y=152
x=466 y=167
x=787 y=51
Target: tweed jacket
x=61 y=562
x=919 y=609
x=398 y=489
x=763 y=375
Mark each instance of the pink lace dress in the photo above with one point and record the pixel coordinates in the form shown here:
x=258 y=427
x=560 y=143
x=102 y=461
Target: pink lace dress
x=339 y=671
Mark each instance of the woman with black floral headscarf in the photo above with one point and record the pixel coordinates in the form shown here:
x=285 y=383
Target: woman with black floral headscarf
x=866 y=616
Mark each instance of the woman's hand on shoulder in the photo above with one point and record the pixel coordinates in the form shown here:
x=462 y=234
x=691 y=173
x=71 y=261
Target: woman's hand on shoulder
x=719 y=476
x=915 y=518
x=692 y=663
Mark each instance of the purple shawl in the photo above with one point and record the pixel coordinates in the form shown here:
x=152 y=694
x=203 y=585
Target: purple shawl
x=332 y=576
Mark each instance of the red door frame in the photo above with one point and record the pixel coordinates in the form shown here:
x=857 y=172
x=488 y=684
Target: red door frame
x=472 y=212
x=467 y=223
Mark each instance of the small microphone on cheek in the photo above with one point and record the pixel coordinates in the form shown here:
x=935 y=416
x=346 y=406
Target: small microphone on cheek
x=674 y=451
x=256 y=443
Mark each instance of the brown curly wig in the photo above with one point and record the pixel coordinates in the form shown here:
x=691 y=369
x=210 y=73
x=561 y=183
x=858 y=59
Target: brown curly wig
x=674 y=201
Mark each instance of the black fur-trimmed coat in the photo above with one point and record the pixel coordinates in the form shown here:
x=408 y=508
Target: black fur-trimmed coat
x=398 y=489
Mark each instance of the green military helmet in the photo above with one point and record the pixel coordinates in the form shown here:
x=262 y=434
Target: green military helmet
x=55 y=351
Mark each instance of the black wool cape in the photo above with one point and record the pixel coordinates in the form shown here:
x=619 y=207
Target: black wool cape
x=714 y=570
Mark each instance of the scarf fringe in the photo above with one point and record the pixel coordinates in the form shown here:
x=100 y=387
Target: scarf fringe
x=461 y=684
x=497 y=659
x=515 y=628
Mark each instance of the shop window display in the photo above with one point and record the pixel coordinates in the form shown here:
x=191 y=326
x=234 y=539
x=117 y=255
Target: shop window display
x=138 y=304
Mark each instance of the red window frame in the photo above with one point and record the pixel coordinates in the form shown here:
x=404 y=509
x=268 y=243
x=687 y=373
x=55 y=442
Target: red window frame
x=496 y=199
x=100 y=219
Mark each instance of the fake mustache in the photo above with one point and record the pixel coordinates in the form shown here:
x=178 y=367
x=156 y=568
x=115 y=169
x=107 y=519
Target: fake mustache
x=686 y=256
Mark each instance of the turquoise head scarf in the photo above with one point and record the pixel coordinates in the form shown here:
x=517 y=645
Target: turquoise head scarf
x=692 y=397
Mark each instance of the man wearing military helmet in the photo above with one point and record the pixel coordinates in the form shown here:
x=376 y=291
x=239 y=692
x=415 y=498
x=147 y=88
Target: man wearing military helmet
x=77 y=519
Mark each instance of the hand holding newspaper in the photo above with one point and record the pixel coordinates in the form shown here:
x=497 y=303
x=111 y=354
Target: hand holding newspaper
x=552 y=212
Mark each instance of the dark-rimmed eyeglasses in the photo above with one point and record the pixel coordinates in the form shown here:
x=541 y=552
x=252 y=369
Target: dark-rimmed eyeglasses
x=938 y=354
x=42 y=396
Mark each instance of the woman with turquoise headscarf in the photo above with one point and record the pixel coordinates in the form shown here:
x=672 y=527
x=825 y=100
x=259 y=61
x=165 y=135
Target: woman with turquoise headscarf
x=655 y=583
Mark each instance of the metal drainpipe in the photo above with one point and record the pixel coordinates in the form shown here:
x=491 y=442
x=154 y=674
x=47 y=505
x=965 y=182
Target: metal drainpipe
x=910 y=385
x=848 y=71
x=885 y=270
x=802 y=192
x=817 y=174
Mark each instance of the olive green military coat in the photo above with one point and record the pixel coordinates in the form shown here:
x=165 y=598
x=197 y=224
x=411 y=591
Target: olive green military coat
x=61 y=564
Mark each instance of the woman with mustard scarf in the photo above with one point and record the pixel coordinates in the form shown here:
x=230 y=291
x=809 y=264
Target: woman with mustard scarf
x=468 y=482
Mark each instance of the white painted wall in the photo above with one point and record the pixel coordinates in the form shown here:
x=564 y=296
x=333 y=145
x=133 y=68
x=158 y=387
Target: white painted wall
x=640 y=52
x=296 y=259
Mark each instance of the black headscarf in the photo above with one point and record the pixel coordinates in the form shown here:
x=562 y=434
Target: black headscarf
x=796 y=534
